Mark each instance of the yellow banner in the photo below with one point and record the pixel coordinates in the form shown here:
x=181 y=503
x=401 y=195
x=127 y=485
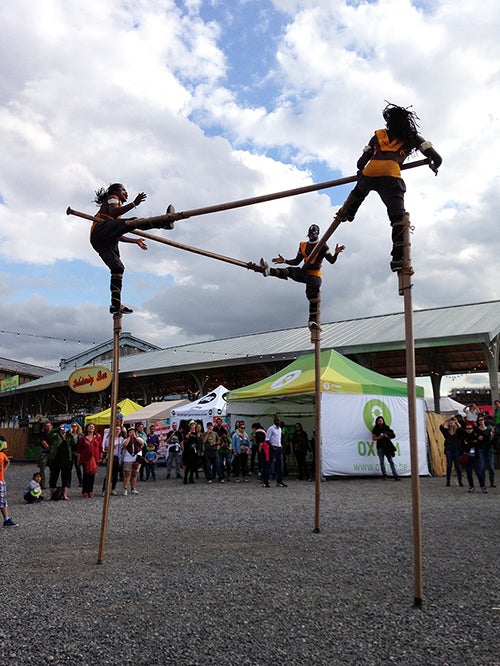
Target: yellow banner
x=92 y=379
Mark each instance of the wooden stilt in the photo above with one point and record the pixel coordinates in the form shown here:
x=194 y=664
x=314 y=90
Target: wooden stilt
x=117 y=327
x=194 y=250
x=405 y=289
x=316 y=340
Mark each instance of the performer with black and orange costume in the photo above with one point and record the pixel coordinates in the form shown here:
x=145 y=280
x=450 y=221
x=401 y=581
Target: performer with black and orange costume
x=379 y=170
x=105 y=235
x=310 y=276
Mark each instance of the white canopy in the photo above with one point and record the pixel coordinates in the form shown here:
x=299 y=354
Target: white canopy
x=205 y=409
x=156 y=411
x=446 y=406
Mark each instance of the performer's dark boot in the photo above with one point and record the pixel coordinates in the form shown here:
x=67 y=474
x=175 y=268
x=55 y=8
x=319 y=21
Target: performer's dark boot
x=116 y=306
x=349 y=208
x=281 y=273
x=397 y=242
x=151 y=223
x=313 y=323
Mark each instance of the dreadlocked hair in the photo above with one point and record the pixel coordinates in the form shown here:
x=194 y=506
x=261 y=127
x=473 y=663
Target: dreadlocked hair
x=402 y=123
x=102 y=194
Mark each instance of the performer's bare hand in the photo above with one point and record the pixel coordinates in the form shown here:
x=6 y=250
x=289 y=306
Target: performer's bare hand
x=141 y=244
x=278 y=260
x=142 y=196
x=339 y=248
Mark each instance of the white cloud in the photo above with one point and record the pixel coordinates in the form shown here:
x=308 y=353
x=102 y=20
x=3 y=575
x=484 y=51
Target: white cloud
x=159 y=95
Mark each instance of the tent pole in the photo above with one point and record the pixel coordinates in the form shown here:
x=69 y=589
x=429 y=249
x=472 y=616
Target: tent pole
x=405 y=290
x=316 y=340
x=117 y=327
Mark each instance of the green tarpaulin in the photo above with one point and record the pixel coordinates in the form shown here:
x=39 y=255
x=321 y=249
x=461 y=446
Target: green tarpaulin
x=338 y=375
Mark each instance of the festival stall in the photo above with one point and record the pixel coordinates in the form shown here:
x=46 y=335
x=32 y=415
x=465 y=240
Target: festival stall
x=351 y=398
x=126 y=406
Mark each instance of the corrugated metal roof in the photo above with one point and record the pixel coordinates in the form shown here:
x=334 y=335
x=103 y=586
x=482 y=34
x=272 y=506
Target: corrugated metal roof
x=20 y=368
x=461 y=324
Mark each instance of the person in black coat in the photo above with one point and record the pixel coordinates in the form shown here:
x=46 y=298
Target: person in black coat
x=383 y=435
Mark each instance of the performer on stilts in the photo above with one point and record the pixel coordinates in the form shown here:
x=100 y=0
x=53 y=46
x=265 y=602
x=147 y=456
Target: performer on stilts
x=311 y=276
x=105 y=235
x=379 y=170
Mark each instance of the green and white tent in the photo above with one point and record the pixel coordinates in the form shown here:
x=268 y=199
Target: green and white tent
x=351 y=398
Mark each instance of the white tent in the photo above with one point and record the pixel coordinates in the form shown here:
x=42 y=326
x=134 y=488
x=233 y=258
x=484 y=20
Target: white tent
x=446 y=406
x=205 y=409
x=156 y=411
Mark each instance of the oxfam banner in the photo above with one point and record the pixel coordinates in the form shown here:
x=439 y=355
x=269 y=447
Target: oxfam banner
x=346 y=424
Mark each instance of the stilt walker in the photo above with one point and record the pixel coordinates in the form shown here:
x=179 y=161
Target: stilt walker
x=310 y=276
x=109 y=229
x=380 y=170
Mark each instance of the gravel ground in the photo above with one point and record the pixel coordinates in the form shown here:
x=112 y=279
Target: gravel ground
x=233 y=574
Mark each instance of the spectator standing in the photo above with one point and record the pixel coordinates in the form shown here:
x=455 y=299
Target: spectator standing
x=485 y=436
x=190 y=447
x=383 y=436
x=300 y=447
x=211 y=445
x=174 y=451
x=273 y=436
x=132 y=447
x=89 y=455
x=241 y=447
x=259 y=436
x=141 y=434
x=73 y=436
x=453 y=443
x=224 y=455
x=60 y=459
x=152 y=438
x=45 y=442
x=471 y=458
x=471 y=413
x=151 y=458
x=117 y=457
x=4 y=465
x=219 y=427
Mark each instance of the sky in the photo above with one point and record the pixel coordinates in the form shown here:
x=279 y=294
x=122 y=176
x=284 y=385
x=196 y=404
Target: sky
x=201 y=102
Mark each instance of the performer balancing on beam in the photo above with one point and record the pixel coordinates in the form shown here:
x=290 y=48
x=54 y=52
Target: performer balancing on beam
x=379 y=170
x=311 y=276
x=105 y=235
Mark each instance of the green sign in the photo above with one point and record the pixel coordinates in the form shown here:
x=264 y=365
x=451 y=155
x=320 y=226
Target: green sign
x=373 y=409
x=9 y=382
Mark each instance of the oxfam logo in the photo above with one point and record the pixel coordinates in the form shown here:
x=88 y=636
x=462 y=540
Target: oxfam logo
x=286 y=379
x=372 y=410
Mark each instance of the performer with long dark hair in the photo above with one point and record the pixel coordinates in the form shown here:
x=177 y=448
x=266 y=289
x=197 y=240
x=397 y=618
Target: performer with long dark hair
x=379 y=170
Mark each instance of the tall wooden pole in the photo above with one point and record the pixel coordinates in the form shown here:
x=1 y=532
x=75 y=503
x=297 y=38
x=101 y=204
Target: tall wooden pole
x=316 y=340
x=259 y=199
x=280 y=195
x=405 y=290
x=117 y=327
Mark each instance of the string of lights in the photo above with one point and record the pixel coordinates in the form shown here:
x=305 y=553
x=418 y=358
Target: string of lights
x=46 y=337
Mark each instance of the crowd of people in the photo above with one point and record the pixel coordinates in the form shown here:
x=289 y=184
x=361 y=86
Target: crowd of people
x=216 y=453
x=469 y=445
x=213 y=453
